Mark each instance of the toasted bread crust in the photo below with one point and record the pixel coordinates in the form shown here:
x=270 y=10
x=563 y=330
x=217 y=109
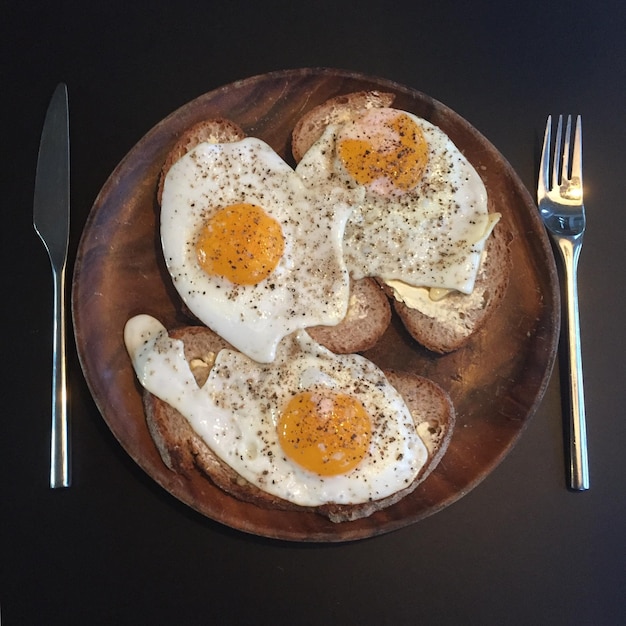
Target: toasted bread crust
x=183 y=451
x=311 y=125
x=216 y=130
x=459 y=322
x=368 y=317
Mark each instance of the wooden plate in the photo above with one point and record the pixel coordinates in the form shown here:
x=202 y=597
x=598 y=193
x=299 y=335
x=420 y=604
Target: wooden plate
x=496 y=382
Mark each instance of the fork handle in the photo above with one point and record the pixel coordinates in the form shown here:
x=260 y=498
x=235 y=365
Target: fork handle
x=59 y=440
x=577 y=444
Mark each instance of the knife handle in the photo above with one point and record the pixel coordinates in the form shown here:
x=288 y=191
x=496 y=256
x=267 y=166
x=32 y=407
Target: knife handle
x=59 y=440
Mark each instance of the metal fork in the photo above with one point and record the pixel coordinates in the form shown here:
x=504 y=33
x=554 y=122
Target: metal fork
x=560 y=199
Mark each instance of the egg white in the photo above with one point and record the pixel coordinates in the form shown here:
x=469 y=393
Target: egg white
x=310 y=285
x=237 y=409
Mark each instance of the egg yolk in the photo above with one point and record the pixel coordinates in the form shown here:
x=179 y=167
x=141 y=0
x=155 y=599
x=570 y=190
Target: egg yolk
x=241 y=243
x=326 y=433
x=384 y=144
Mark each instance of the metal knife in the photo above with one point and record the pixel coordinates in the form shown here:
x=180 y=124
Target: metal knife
x=51 y=218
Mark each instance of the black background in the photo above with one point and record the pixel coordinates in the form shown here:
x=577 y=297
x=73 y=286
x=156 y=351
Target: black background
x=115 y=548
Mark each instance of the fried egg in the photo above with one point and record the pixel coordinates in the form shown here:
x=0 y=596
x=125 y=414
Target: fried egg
x=249 y=249
x=420 y=216
x=312 y=427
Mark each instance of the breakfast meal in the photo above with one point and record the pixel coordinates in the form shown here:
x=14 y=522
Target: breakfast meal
x=311 y=431
x=287 y=275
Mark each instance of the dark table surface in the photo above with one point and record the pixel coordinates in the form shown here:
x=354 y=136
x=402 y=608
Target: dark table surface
x=116 y=548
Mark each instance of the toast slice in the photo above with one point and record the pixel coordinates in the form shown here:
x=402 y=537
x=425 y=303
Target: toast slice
x=369 y=311
x=451 y=324
x=183 y=451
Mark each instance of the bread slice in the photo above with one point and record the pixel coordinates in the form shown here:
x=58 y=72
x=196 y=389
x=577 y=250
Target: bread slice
x=369 y=313
x=311 y=125
x=215 y=130
x=368 y=317
x=183 y=451
x=458 y=317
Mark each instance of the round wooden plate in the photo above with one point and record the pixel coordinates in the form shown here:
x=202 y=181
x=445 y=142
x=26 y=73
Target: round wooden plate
x=496 y=382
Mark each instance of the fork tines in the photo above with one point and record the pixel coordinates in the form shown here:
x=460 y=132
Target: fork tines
x=567 y=163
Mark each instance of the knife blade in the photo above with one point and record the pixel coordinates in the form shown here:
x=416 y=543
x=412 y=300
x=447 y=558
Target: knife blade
x=51 y=219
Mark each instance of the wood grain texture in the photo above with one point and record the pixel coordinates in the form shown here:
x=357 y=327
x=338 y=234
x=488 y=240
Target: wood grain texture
x=496 y=382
